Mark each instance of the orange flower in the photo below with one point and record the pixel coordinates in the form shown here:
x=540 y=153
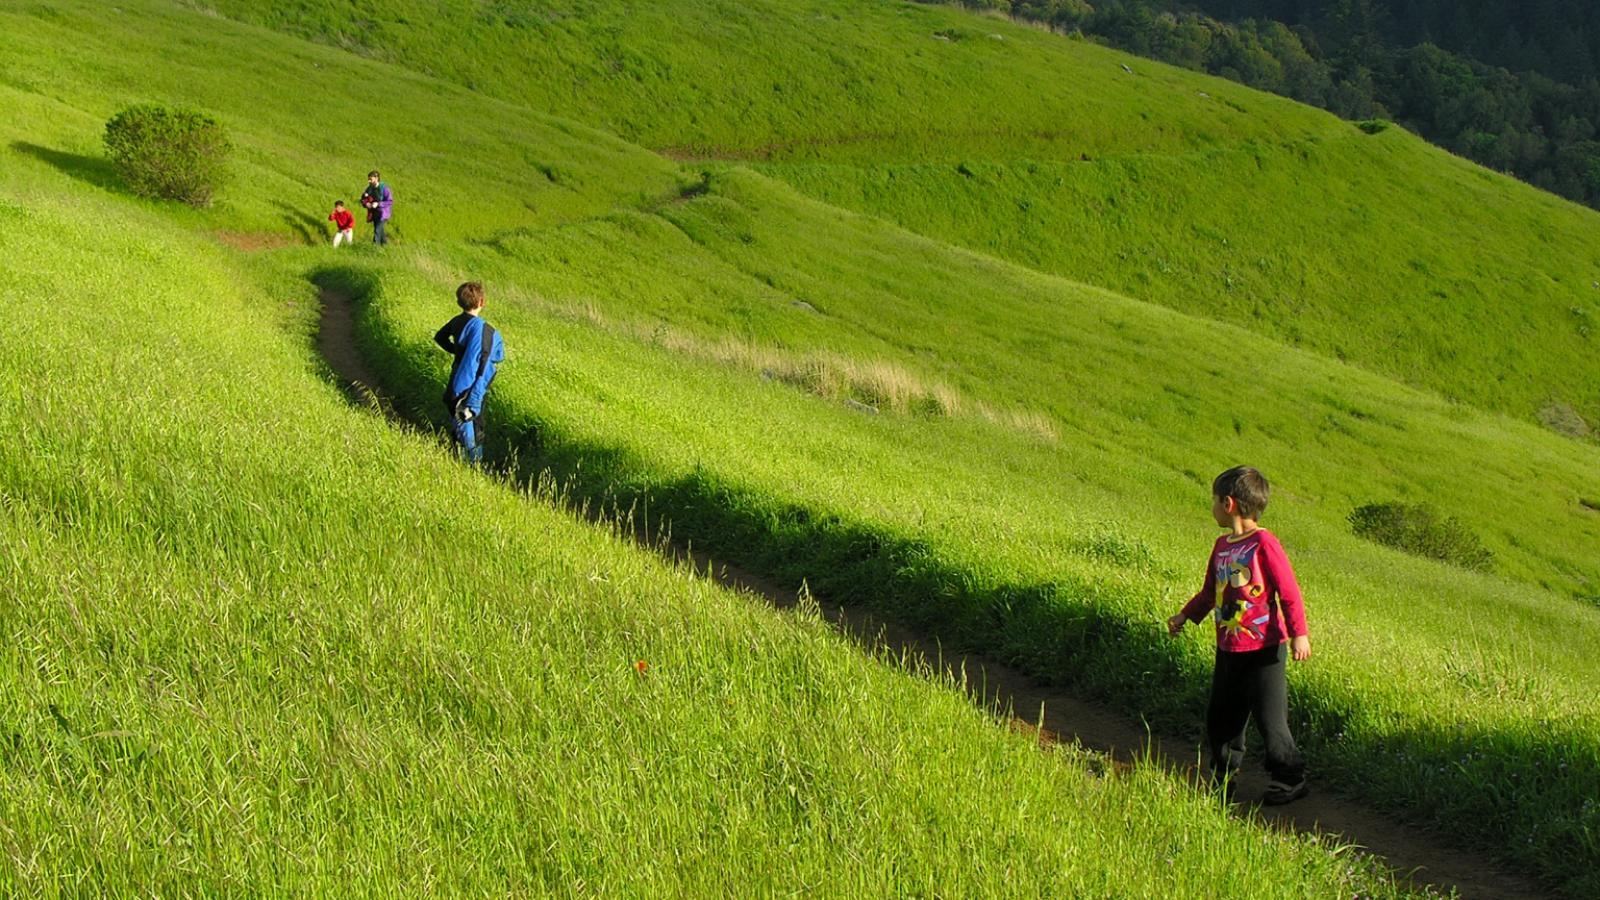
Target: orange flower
x=641 y=666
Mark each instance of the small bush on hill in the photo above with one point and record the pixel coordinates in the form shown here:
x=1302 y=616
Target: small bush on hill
x=1419 y=530
x=169 y=154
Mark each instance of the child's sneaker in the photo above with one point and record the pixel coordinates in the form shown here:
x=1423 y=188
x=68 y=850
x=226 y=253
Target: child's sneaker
x=1279 y=793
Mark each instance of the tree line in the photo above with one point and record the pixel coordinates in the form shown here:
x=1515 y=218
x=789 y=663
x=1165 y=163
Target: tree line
x=1556 y=38
x=1512 y=85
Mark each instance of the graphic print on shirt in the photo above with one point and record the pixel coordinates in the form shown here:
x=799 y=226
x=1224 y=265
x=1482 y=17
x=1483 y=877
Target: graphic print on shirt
x=1234 y=614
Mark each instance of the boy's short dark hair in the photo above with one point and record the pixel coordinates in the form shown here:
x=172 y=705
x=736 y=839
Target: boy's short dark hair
x=338 y=203
x=469 y=295
x=1248 y=488
x=374 y=174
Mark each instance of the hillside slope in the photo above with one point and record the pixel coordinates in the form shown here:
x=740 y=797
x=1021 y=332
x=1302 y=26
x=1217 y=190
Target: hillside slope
x=674 y=361
x=260 y=642
x=1034 y=483
x=70 y=66
x=1156 y=182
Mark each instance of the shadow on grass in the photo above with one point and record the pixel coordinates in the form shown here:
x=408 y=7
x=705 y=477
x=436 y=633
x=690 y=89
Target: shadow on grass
x=94 y=170
x=311 y=229
x=847 y=562
x=1526 y=793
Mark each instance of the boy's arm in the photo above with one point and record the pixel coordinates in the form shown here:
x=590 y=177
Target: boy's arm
x=443 y=338
x=1200 y=604
x=1275 y=566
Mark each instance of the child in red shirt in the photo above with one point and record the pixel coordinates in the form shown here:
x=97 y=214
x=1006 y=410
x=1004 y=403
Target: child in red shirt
x=1251 y=592
x=344 y=221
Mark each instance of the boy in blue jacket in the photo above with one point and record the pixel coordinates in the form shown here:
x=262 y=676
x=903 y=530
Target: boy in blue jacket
x=478 y=349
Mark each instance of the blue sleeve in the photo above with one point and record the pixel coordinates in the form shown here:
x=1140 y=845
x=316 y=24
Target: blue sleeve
x=480 y=385
x=465 y=369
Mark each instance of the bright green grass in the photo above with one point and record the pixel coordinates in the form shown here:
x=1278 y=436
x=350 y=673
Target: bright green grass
x=1166 y=185
x=258 y=642
x=308 y=122
x=1062 y=553
x=1104 y=372
x=1465 y=698
x=1378 y=250
x=860 y=80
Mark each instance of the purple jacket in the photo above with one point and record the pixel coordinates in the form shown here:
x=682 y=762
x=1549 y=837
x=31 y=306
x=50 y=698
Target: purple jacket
x=379 y=201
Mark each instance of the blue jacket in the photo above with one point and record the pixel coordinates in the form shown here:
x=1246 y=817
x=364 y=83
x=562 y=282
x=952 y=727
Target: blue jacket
x=478 y=349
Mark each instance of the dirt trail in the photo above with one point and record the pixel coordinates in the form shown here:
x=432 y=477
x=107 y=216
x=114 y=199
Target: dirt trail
x=1427 y=859
x=336 y=342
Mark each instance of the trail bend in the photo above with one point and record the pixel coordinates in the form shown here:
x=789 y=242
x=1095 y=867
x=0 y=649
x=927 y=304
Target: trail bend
x=1418 y=856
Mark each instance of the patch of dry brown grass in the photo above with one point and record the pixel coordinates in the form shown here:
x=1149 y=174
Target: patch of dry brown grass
x=883 y=385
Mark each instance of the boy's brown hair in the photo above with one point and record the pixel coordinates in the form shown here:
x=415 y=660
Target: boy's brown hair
x=470 y=295
x=1248 y=488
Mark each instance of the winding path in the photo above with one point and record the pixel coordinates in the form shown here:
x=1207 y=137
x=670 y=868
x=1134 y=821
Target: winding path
x=1424 y=858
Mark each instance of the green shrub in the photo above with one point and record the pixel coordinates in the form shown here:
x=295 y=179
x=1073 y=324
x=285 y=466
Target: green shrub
x=169 y=154
x=1419 y=530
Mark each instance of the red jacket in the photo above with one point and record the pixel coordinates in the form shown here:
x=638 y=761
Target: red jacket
x=1251 y=590
x=344 y=218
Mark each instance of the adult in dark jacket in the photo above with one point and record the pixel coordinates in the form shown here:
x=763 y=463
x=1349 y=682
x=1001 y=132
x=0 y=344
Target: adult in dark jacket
x=379 y=201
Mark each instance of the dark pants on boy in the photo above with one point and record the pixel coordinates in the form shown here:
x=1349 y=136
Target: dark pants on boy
x=1247 y=685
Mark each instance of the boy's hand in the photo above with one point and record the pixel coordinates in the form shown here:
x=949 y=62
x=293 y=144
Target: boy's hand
x=1176 y=623
x=1300 y=648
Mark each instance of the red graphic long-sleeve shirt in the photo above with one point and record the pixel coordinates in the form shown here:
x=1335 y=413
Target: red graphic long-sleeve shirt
x=1251 y=593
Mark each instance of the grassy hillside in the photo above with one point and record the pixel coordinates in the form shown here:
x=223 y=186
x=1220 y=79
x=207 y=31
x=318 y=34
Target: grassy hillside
x=70 y=66
x=751 y=275
x=1378 y=250
x=1160 y=183
x=1057 y=541
x=1035 y=485
x=332 y=660
x=261 y=642
x=836 y=80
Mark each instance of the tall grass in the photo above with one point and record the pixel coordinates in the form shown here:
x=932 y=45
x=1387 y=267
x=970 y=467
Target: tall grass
x=734 y=265
x=1381 y=251
x=1062 y=557
x=460 y=164
x=298 y=652
x=810 y=80
x=260 y=642
x=1158 y=183
x=871 y=386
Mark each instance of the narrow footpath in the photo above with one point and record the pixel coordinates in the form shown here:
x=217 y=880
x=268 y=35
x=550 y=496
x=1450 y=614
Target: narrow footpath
x=1424 y=858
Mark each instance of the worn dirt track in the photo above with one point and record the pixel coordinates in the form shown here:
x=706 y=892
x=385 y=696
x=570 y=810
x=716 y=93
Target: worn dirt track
x=1426 y=859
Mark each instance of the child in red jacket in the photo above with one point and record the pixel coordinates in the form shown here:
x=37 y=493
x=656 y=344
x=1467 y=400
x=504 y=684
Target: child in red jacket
x=1251 y=592
x=344 y=221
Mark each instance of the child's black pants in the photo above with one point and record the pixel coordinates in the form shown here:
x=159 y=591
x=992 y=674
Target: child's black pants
x=1246 y=685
